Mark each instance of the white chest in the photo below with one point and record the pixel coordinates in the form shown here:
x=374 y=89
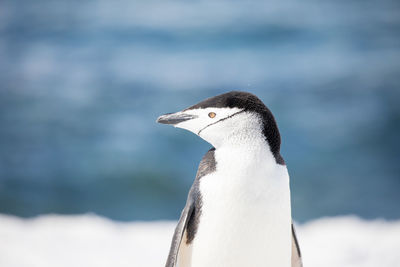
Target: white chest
x=246 y=217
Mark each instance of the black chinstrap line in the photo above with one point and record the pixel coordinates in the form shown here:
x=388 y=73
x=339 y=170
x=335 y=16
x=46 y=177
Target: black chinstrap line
x=230 y=116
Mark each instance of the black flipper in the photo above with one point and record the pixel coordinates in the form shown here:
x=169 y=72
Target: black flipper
x=190 y=215
x=296 y=254
x=179 y=232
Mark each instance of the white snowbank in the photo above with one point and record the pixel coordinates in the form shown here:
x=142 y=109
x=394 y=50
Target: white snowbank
x=89 y=240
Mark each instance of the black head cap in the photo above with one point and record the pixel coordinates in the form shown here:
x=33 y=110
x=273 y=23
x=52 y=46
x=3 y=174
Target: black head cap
x=249 y=102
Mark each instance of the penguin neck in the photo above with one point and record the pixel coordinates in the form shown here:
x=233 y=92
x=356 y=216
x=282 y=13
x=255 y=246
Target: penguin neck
x=247 y=147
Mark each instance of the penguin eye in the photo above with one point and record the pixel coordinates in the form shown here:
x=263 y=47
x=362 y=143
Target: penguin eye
x=212 y=115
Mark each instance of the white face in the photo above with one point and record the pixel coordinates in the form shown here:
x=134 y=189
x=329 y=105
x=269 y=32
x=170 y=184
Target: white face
x=205 y=118
x=215 y=125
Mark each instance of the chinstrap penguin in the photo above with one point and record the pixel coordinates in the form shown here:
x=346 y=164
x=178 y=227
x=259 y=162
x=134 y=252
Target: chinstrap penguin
x=238 y=209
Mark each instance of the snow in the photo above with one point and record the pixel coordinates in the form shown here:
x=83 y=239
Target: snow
x=90 y=240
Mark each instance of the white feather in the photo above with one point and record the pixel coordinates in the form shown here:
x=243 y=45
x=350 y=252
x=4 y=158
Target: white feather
x=246 y=217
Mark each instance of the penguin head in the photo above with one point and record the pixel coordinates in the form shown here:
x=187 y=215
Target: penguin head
x=231 y=116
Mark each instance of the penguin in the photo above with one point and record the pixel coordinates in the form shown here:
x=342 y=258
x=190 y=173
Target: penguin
x=238 y=210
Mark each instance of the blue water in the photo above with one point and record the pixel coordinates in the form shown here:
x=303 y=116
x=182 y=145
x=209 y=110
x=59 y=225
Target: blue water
x=82 y=82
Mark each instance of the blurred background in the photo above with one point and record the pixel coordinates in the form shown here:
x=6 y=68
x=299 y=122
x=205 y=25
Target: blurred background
x=82 y=83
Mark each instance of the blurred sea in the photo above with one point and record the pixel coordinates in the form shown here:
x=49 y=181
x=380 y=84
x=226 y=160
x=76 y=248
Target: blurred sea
x=82 y=82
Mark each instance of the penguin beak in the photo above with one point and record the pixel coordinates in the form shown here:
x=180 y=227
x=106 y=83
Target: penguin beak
x=175 y=118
